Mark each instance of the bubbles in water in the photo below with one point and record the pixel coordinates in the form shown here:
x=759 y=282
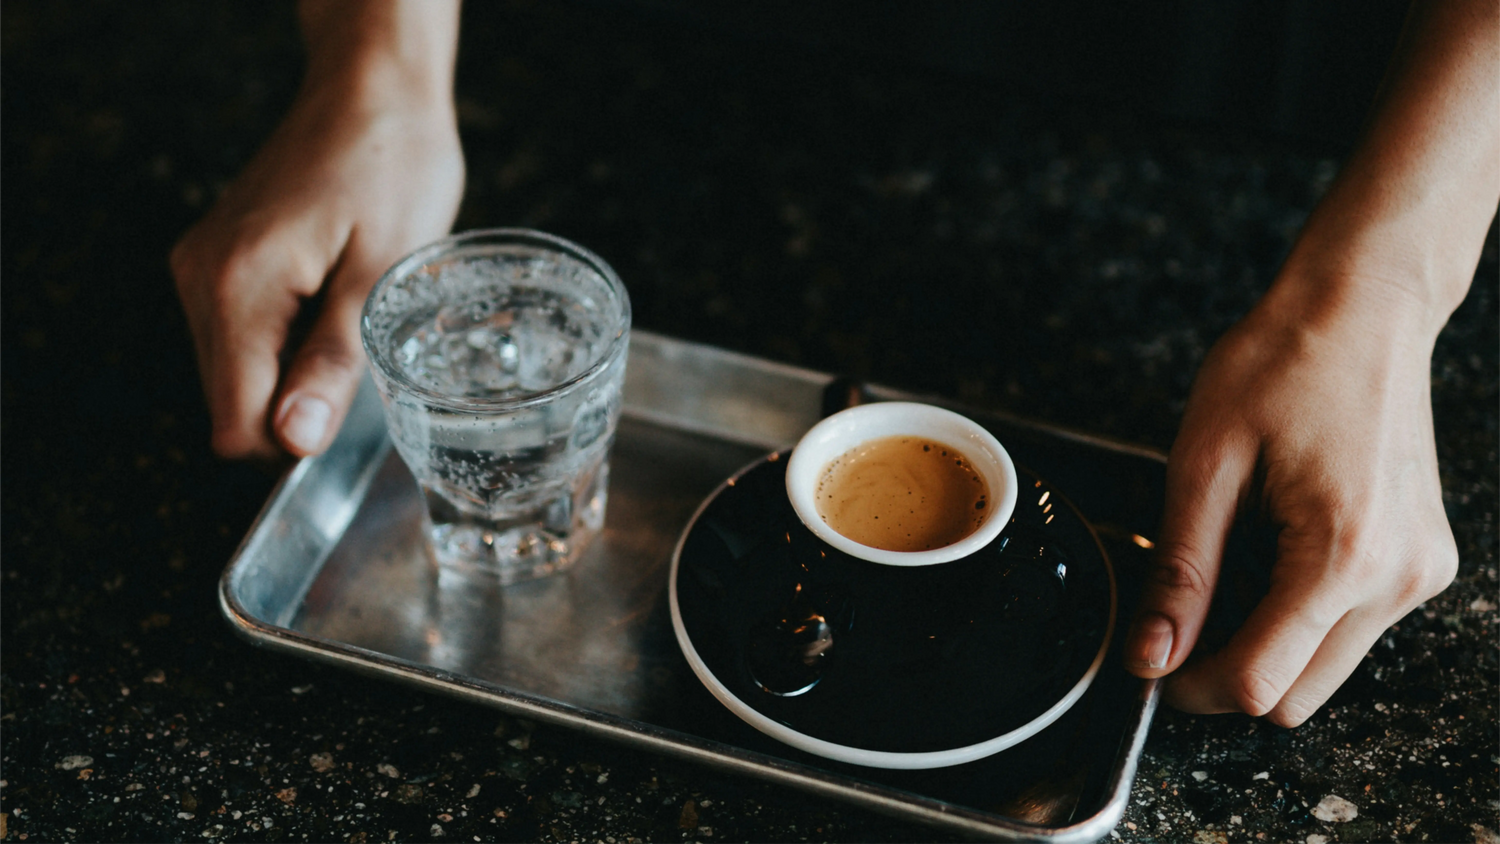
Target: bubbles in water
x=506 y=329
x=508 y=353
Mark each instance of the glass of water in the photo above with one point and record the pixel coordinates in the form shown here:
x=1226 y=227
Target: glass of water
x=499 y=356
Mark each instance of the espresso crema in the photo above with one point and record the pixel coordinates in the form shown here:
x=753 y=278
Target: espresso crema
x=902 y=493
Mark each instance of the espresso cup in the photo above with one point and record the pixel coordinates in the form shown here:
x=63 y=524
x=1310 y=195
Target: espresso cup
x=843 y=432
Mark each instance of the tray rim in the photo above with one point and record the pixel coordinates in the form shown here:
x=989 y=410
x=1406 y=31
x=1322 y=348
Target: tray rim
x=905 y=805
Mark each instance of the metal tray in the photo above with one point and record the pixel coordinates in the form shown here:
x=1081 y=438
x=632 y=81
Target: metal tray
x=333 y=569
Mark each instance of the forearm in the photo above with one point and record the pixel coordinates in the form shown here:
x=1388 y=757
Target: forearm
x=1404 y=223
x=379 y=47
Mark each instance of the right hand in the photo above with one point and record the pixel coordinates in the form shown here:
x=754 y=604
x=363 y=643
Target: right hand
x=356 y=176
x=1315 y=415
x=1315 y=412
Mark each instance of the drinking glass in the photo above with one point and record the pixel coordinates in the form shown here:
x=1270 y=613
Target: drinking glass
x=499 y=356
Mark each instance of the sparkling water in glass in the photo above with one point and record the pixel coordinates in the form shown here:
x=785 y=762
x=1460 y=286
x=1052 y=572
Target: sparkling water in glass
x=499 y=355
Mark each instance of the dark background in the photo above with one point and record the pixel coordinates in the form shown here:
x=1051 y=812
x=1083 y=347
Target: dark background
x=1053 y=211
x=1287 y=69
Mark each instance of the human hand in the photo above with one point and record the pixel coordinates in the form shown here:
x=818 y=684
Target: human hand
x=1314 y=412
x=1318 y=416
x=364 y=168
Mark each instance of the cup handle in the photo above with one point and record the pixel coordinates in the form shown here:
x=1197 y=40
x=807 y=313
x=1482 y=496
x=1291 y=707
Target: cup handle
x=843 y=393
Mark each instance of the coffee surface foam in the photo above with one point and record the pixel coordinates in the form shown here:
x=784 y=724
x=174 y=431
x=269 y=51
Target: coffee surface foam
x=902 y=493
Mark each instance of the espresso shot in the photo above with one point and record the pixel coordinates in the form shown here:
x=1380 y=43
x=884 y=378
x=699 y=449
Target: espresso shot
x=903 y=493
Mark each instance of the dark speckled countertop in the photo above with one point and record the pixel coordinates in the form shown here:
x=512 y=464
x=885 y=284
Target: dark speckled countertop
x=911 y=225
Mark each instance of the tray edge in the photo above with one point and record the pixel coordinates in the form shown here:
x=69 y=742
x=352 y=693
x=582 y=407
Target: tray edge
x=903 y=805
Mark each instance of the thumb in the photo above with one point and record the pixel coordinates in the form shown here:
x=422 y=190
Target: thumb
x=1204 y=482
x=324 y=374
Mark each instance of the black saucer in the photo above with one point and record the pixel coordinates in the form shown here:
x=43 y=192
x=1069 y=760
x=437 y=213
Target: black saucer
x=805 y=642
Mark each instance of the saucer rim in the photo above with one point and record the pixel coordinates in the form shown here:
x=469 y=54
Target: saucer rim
x=888 y=759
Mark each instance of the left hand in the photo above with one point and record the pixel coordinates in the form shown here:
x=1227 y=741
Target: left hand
x=356 y=175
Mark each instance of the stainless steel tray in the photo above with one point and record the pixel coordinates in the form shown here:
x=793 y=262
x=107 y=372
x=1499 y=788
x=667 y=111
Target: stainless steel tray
x=333 y=569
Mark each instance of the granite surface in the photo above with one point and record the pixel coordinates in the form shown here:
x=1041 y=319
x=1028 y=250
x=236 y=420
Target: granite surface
x=916 y=227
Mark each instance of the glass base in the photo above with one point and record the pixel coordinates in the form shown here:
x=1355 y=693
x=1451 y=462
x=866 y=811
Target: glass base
x=513 y=555
x=530 y=542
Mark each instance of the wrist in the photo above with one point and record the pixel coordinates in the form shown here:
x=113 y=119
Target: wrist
x=1409 y=212
x=1372 y=235
x=1357 y=305
x=381 y=51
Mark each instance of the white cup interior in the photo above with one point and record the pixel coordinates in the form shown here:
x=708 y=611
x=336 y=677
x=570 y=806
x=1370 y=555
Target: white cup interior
x=846 y=429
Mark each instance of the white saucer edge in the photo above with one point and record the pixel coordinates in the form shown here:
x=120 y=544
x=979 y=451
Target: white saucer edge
x=860 y=756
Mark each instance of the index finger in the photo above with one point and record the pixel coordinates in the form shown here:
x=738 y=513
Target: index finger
x=1205 y=478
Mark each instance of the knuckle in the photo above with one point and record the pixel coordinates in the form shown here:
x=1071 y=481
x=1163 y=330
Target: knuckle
x=1350 y=549
x=234 y=268
x=1288 y=716
x=1298 y=705
x=1443 y=567
x=1411 y=587
x=1175 y=570
x=1360 y=560
x=232 y=287
x=1350 y=563
x=1428 y=574
x=1256 y=691
x=201 y=258
x=240 y=256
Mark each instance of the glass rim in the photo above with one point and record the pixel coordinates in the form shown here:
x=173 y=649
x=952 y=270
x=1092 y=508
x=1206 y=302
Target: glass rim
x=427 y=253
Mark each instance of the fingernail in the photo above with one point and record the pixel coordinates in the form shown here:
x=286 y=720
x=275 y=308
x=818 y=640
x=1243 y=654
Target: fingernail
x=305 y=421
x=1151 y=641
